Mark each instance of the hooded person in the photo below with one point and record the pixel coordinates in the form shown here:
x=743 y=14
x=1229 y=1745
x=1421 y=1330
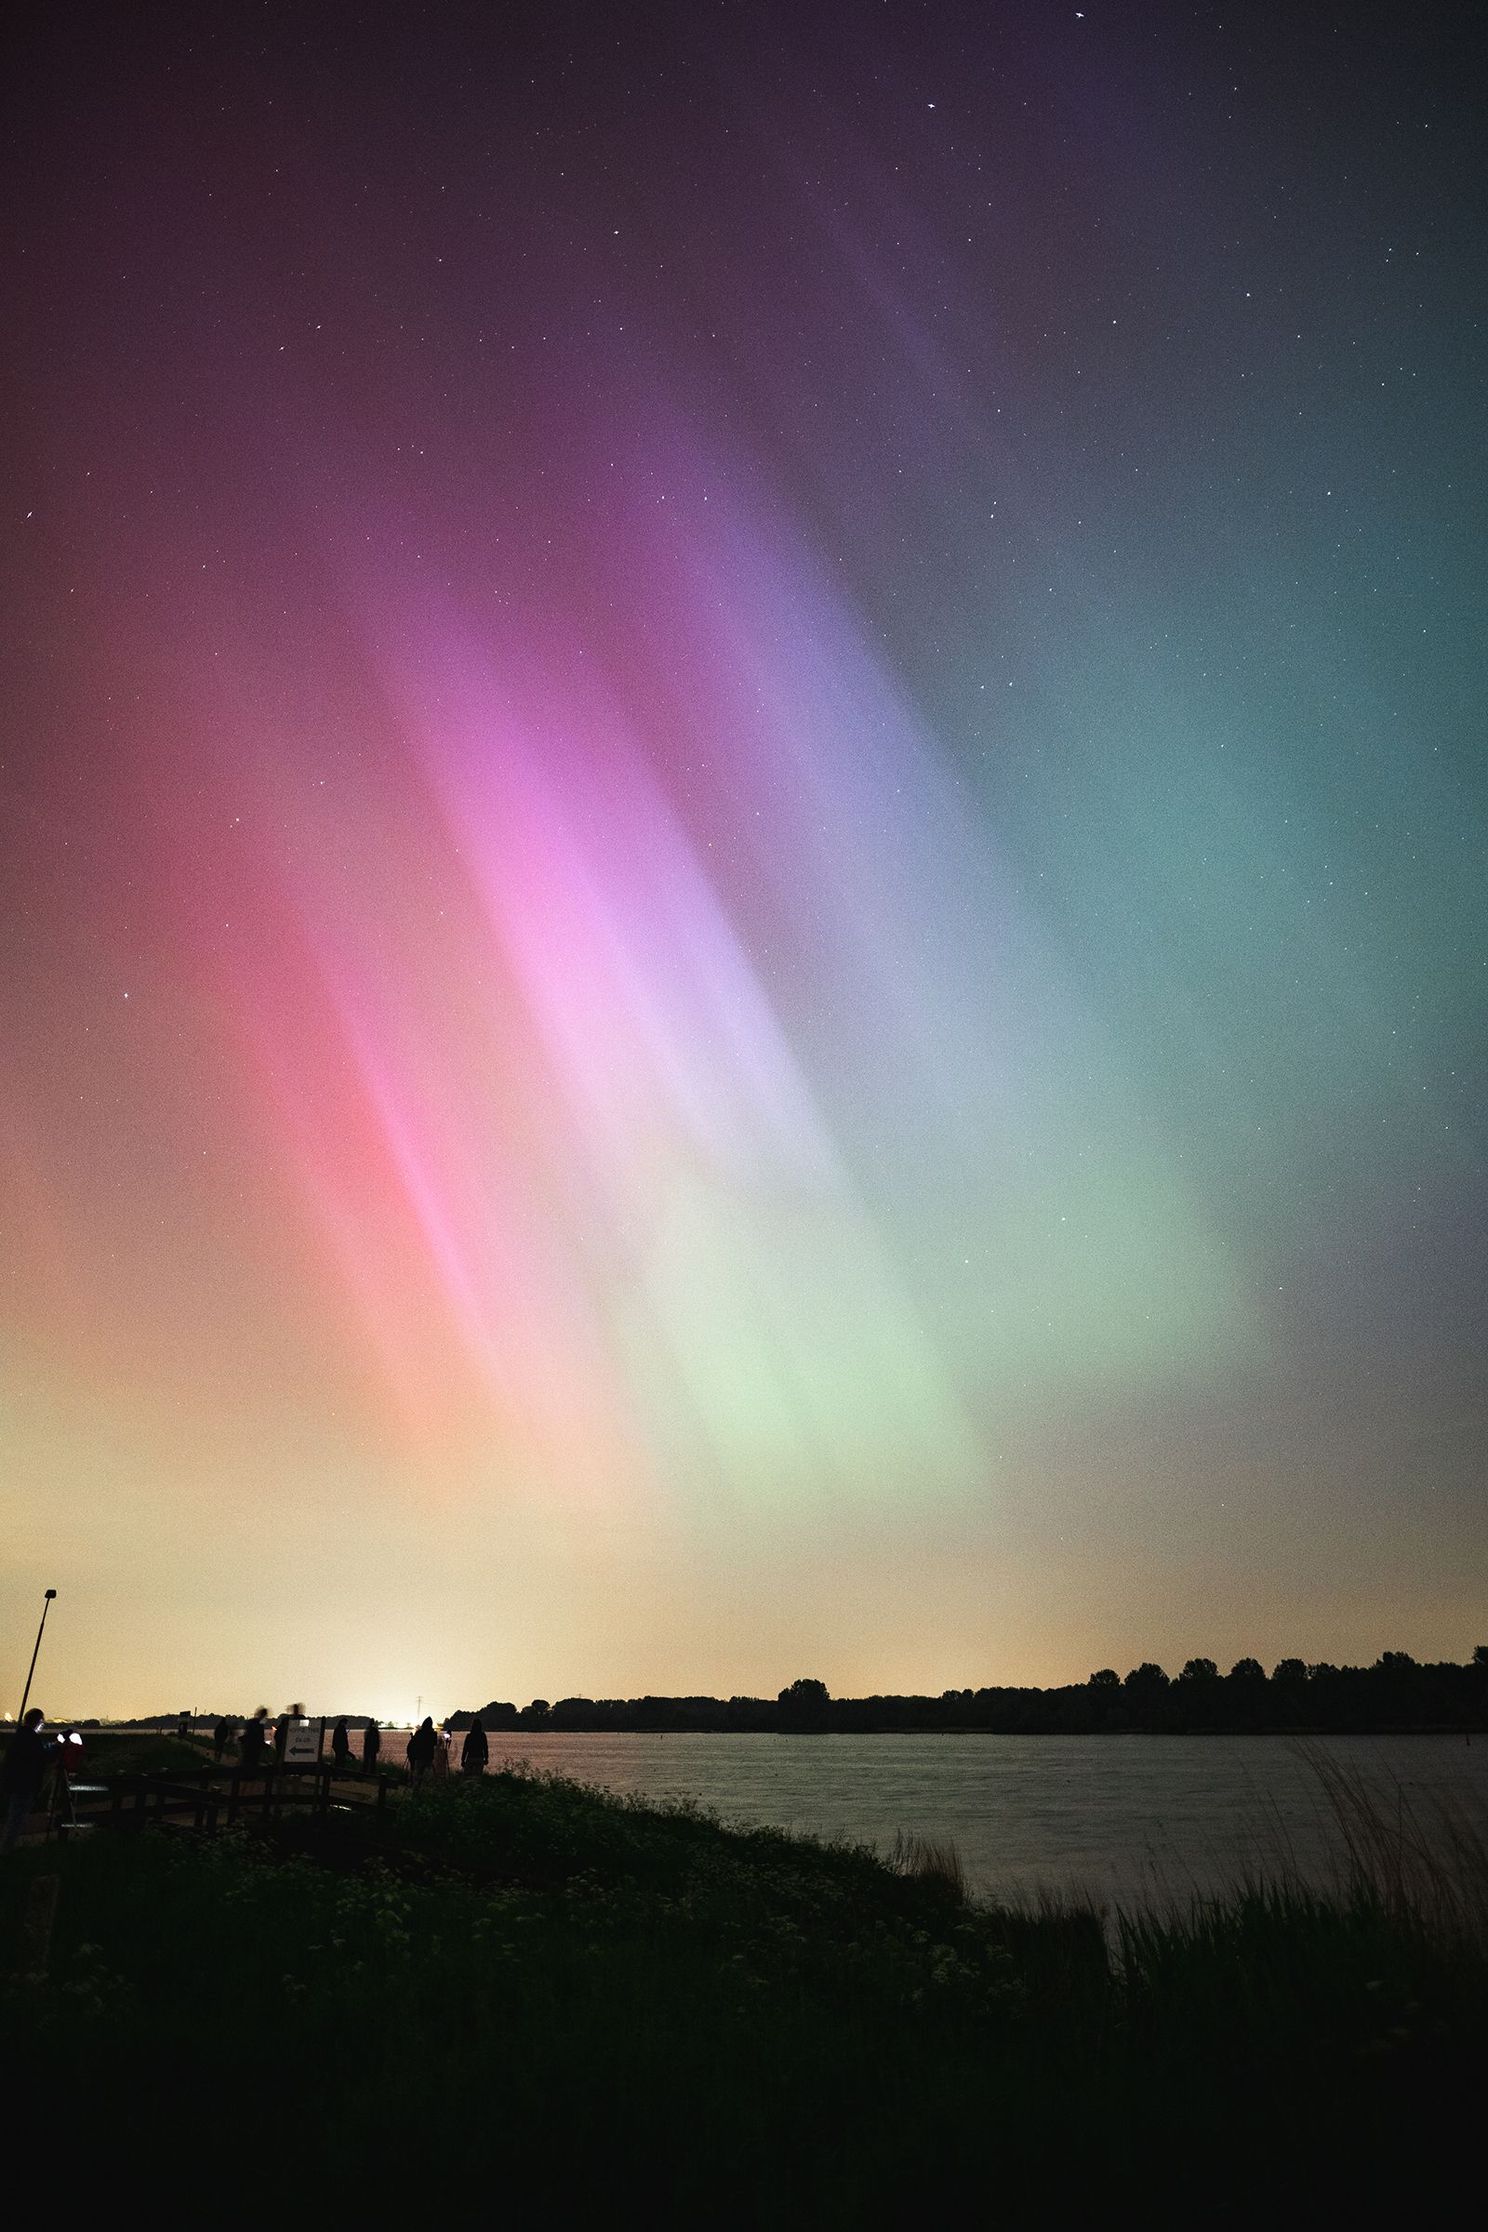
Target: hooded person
x=475 y=1752
x=253 y=1745
x=422 y=1745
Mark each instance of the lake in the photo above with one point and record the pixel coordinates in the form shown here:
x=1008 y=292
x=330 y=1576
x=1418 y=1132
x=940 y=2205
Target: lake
x=1134 y=1818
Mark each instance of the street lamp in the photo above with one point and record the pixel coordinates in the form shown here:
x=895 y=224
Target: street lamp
x=46 y=1605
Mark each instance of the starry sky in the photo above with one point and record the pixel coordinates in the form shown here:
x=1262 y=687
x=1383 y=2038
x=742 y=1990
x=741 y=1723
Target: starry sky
x=742 y=809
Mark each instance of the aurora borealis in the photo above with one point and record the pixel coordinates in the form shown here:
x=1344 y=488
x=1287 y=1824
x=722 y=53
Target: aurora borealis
x=743 y=825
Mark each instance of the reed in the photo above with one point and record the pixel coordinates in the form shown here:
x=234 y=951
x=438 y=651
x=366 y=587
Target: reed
x=1422 y=1862
x=928 y=1860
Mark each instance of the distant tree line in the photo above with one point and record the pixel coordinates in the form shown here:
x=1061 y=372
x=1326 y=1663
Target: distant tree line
x=1398 y=1693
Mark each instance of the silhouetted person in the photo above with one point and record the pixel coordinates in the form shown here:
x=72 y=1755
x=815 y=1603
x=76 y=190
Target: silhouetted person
x=475 y=1752
x=422 y=1745
x=222 y=1736
x=371 y=1746
x=183 y=1727
x=341 y=1745
x=253 y=1748
x=27 y=1758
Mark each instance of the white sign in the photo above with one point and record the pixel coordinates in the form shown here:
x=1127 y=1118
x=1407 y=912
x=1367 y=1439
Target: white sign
x=302 y=1744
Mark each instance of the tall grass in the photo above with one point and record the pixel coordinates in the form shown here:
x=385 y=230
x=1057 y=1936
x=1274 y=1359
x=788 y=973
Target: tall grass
x=928 y=1860
x=1350 y=1996
x=1424 y=1864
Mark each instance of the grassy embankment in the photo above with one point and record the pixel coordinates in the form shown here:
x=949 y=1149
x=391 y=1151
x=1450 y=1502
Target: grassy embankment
x=537 y=1991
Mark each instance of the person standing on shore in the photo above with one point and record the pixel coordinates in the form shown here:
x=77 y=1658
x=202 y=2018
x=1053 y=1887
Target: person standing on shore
x=341 y=1746
x=253 y=1748
x=422 y=1745
x=26 y=1761
x=371 y=1747
x=475 y=1752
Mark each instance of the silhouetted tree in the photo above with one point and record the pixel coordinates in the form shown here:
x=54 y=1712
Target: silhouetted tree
x=572 y=1712
x=1199 y=1670
x=1105 y=1677
x=1289 y=1670
x=1247 y=1670
x=1146 y=1691
x=1480 y=1654
x=804 y=1704
x=656 y=1712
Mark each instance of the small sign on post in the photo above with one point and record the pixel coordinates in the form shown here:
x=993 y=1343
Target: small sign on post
x=302 y=1744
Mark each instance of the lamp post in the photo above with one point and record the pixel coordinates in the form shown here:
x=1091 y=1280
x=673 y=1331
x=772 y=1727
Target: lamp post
x=46 y=1606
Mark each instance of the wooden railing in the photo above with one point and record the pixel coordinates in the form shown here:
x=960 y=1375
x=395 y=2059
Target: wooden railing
x=215 y=1797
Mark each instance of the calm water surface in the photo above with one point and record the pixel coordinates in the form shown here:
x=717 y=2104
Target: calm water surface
x=1127 y=1817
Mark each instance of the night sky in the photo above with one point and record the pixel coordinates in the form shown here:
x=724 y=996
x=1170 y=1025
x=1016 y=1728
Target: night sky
x=742 y=811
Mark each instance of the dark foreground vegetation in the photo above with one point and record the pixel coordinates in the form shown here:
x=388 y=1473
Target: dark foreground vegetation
x=521 y=1995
